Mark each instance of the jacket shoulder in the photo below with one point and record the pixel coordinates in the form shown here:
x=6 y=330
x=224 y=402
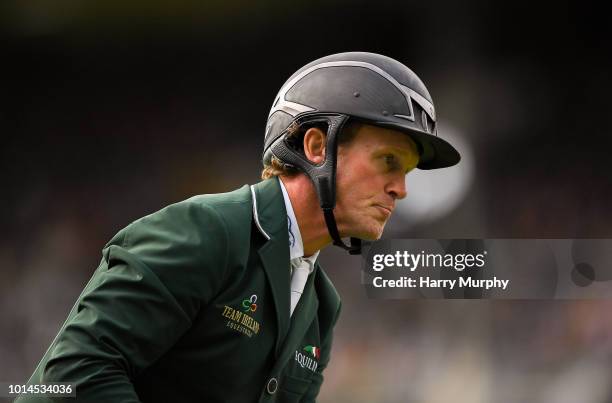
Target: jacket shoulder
x=218 y=200
x=196 y=214
x=233 y=208
x=196 y=237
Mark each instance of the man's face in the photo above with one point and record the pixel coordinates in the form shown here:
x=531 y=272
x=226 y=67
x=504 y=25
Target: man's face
x=370 y=178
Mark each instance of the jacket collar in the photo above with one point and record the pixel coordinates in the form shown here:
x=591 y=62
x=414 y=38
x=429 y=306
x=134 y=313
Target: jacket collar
x=269 y=211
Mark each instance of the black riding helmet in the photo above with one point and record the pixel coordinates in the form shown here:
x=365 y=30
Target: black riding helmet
x=367 y=87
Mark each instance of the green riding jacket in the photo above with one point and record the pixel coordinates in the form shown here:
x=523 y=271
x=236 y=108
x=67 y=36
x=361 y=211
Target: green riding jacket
x=191 y=304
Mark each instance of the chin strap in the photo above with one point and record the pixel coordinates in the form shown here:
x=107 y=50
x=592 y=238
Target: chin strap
x=323 y=176
x=330 y=221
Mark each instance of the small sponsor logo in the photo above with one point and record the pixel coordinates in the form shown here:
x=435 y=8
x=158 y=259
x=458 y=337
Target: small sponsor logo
x=307 y=358
x=315 y=351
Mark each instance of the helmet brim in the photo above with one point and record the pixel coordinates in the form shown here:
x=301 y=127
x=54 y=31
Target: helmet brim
x=434 y=151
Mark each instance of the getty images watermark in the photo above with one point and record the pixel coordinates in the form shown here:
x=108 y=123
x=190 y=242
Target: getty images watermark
x=488 y=268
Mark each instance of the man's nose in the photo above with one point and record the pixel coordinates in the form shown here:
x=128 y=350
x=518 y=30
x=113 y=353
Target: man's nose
x=397 y=188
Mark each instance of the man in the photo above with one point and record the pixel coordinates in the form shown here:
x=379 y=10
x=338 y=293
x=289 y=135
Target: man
x=219 y=298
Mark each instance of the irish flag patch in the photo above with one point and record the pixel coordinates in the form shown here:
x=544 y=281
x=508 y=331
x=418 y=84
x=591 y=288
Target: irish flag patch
x=314 y=351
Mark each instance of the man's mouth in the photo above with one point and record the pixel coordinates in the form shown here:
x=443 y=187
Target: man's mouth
x=387 y=210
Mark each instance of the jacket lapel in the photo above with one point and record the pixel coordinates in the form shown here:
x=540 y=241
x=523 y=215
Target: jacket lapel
x=270 y=218
x=302 y=318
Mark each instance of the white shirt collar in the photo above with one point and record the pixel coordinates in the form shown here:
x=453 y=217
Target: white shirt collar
x=296 y=246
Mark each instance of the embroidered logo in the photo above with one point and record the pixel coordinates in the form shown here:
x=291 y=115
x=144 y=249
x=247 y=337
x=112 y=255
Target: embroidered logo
x=249 y=304
x=243 y=322
x=308 y=360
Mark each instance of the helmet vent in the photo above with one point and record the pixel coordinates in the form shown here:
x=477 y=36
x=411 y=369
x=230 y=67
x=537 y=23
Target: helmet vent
x=424 y=121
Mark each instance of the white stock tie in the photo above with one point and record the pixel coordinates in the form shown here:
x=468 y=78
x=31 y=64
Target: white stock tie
x=301 y=270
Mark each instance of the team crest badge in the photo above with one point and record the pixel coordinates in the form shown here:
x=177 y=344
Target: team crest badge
x=249 y=304
x=240 y=319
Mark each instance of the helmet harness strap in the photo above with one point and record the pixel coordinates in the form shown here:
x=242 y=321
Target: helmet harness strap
x=323 y=176
x=330 y=220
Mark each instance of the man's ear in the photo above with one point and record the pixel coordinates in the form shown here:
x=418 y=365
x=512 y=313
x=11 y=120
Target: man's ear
x=314 y=145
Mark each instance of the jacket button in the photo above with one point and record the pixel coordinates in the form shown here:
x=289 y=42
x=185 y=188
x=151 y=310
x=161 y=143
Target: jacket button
x=272 y=386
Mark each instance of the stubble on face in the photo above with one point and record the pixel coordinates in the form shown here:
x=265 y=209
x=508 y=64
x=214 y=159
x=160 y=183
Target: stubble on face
x=367 y=188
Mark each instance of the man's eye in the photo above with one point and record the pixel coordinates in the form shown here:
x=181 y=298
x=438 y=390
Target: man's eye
x=390 y=159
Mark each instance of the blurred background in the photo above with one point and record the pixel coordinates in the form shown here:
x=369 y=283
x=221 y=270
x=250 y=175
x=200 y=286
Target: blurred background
x=112 y=110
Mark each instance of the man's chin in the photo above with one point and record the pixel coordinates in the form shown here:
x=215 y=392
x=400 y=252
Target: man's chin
x=372 y=234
